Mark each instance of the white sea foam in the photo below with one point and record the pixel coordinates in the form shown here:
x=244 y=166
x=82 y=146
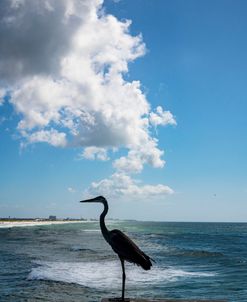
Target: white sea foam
x=107 y=274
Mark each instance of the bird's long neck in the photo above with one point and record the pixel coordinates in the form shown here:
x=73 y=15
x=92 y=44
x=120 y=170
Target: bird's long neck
x=103 y=227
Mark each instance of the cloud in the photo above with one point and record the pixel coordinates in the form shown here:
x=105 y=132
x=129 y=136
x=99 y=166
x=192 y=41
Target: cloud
x=72 y=76
x=120 y=184
x=35 y=35
x=64 y=65
x=95 y=153
x=139 y=156
x=161 y=117
x=2 y=95
x=52 y=137
x=71 y=190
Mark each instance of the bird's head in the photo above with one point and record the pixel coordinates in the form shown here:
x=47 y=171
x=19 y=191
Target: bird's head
x=100 y=199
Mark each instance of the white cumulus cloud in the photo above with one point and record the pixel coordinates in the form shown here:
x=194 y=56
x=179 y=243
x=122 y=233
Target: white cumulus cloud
x=52 y=137
x=120 y=184
x=63 y=64
x=95 y=153
x=140 y=155
x=161 y=117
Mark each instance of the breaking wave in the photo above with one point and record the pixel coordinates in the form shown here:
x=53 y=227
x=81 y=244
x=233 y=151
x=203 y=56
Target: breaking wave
x=107 y=274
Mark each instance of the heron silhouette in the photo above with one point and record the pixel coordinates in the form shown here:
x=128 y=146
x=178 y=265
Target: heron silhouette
x=121 y=244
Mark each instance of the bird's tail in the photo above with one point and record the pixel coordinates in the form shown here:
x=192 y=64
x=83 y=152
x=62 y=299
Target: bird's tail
x=146 y=262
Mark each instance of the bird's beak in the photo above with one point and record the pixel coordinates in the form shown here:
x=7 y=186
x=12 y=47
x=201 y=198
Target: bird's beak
x=91 y=200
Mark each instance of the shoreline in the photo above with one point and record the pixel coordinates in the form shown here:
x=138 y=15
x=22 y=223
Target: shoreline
x=28 y=223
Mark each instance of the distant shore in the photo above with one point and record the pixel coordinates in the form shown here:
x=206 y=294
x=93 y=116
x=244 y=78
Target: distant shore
x=10 y=223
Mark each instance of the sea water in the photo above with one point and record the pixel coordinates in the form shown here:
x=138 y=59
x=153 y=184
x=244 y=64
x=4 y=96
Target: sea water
x=72 y=262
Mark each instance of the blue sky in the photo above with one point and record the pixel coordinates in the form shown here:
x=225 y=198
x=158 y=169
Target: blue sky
x=193 y=65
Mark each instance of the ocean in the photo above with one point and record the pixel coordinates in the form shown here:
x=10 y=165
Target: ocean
x=72 y=262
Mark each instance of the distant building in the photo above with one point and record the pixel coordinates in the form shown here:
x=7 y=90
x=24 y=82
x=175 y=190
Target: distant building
x=52 y=217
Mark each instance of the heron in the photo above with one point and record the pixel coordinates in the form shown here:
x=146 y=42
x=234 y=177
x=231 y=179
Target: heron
x=121 y=244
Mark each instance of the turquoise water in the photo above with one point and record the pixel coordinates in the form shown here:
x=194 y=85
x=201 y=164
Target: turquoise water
x=72 y=262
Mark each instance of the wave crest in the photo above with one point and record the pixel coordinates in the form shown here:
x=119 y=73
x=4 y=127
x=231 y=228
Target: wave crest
x=107 y=274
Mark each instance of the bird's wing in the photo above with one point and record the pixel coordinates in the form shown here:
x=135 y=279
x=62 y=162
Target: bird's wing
x=128 y=250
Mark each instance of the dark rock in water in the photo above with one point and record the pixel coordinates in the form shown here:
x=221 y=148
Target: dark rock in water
x=78 y=248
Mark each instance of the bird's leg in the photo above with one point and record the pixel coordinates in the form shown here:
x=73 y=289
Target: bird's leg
x=124 y=277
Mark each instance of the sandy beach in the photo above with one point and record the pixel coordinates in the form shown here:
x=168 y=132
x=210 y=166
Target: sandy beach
x=26 y=223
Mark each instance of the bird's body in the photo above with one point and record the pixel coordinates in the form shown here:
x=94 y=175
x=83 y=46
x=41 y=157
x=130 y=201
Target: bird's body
x=128 y=250
x=121 y=244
